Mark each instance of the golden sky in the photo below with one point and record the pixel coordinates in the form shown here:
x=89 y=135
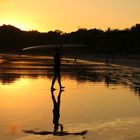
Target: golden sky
x=69 y=15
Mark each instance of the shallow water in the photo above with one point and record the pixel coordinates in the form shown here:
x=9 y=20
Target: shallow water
x=101 y=100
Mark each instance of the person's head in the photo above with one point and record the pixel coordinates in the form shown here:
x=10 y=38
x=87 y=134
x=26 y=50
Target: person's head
x=57 y=50
x=61 y=50
x=56 y=127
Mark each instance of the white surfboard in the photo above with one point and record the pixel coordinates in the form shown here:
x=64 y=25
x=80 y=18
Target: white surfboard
x=53 y=46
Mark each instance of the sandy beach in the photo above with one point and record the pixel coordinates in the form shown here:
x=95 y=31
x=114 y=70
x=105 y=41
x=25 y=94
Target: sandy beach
x=100 y=101
x=124 y=60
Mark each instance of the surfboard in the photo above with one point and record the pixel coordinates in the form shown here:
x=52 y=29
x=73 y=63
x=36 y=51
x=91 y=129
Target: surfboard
x=53 y=46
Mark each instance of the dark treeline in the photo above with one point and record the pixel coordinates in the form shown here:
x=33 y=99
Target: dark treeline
x=111 y=41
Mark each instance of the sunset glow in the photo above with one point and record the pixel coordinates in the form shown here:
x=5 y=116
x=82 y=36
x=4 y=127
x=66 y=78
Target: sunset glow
x=65 y=15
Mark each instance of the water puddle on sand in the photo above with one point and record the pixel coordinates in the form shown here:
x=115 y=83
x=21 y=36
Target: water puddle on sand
x=98 y=102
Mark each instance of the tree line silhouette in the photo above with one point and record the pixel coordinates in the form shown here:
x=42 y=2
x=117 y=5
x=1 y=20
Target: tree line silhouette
x=97 y=41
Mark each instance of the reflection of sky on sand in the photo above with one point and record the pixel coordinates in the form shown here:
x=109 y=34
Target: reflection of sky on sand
x=14 y=67
x=120 y=129
x=104 y=111
x=97 y=98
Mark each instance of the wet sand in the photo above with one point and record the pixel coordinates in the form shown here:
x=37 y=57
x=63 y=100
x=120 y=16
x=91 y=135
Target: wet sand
x=128 y=61
x=91 y=68
x=100 y=98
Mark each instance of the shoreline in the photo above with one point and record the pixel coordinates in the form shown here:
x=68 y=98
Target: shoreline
x=127 y=61
x=132 y=61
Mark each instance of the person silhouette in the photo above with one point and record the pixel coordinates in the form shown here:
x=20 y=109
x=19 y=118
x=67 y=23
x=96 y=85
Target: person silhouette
x=56 y=112
x=57 y=63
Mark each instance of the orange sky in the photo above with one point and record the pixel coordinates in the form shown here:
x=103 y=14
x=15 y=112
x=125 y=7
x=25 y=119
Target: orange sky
x=69 y=15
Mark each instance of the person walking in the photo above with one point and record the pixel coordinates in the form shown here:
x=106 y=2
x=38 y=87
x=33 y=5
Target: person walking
x=57 y=63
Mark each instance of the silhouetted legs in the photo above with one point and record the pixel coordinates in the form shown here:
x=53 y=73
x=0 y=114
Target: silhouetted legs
x=53 y=82
x=59 y=81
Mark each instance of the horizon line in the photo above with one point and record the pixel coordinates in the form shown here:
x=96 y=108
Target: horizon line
x=136 y=24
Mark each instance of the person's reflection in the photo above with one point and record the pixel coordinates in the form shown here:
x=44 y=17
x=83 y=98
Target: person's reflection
x=58 y=128
x=107 y=76
x=57 y=63
x=56 y=112
x=107 y=79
